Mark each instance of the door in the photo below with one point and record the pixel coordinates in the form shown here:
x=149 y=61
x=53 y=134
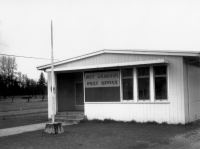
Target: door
x=79 y=94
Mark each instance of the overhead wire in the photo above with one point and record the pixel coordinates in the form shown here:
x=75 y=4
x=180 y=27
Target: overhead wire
x=27 y=57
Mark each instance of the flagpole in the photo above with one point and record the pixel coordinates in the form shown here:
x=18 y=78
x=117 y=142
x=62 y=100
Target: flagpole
x=53 y=128
x=52 y=76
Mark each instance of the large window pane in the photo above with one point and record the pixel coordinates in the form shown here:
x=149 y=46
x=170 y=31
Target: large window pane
x=127 y=80
x=160 y=73
x=127 y=72
x=161 y=87
x=143 y=71
x=143 y=83
x=128 y=89
x=143 y=86
x=160 y=70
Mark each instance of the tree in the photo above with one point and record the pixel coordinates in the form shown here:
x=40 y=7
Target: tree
x=23 y=84
x=28 y=88
x=1 y=86
x=33 y=87
x=20 y=84
x=42 y=85
x=14 y=83
x=8 y=68
x=14 y=89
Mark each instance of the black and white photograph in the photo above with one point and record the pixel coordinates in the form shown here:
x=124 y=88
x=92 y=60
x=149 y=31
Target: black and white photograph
x=99 y=74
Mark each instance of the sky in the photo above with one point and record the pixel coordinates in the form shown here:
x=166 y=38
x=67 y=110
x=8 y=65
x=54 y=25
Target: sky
x=85 y=26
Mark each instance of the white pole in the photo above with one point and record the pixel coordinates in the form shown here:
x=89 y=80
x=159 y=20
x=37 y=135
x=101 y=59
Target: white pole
x=52 y=77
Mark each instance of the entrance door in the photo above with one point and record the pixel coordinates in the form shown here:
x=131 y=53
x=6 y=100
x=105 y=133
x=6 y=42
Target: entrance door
x=79 y=94
x=65 y=92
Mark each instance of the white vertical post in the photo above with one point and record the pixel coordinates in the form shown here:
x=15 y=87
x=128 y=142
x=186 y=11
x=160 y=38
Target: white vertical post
x=152 y=92
x=84 y=88
x=135 y=87
x=120 y=84
x=52 y=77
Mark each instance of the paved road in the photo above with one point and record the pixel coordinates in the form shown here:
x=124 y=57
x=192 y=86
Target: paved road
x=27 y=128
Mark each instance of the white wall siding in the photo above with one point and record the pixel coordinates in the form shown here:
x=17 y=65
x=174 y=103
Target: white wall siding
x=194 y=92
x=129 y=112
x=176 y=97
x=172 y=112
x=185 y=94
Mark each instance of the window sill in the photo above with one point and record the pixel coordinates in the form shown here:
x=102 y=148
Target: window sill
x=130 y=102
x=127 y=100
x=154 y=102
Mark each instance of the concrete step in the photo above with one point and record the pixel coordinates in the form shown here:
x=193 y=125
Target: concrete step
x=75 y=121
x=71 y=113
x=69 y=116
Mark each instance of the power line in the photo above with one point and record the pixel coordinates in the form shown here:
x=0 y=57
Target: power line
x=26 y=57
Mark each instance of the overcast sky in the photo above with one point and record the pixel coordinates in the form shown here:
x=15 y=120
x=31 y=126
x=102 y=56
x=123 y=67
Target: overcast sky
x=84 y=26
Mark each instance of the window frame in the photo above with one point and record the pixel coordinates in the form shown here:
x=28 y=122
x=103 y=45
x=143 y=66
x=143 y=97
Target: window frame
x=152 y=92
x=149 y=77
x=127 y=77
x=167 y=83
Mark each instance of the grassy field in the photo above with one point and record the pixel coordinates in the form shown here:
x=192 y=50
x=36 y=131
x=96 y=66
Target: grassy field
x=93 y=134
x=20 y=104
x=112 y=135
x=22 y=120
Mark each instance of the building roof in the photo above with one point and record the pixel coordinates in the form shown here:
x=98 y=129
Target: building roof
x=141 y=52
x=115 y=65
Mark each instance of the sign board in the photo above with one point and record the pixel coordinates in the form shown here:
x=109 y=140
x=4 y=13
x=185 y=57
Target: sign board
x=102 y=79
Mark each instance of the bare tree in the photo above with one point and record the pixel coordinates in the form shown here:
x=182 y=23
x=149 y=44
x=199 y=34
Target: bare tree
x=23 y=82
x=3 y=65
x=8 y=67
x=42 y=85
x=33 y=87
x=11 y=68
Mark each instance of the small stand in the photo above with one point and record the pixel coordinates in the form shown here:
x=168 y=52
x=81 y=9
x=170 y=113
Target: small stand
x=54 y=128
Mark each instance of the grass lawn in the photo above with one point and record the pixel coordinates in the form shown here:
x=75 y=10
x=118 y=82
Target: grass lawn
x=107 y=135
x=20 y=104
x=22 y=120
x=93 y=134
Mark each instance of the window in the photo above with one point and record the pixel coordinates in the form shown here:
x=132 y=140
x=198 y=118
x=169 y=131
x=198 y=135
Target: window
x=138 y=82
x=160 y=74
x=143 y=83
x=127 y=83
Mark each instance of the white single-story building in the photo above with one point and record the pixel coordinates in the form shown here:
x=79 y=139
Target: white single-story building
x=129 y=85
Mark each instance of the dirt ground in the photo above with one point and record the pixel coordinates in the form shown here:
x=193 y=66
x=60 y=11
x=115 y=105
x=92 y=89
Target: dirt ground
x=108 y=135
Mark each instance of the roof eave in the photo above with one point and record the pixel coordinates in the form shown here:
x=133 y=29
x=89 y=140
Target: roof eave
x=143 y=52
x=114 y=65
